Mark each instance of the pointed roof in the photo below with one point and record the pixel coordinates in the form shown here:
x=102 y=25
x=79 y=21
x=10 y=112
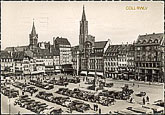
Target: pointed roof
x=83 y=14
x=33 y=32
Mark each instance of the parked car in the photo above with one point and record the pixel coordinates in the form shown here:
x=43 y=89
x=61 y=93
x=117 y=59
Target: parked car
x=141 y=94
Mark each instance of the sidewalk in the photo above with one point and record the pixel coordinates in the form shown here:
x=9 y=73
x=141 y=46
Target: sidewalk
x=138 y=82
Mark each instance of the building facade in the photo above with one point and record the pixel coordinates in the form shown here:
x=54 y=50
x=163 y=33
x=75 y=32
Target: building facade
x=149 y=57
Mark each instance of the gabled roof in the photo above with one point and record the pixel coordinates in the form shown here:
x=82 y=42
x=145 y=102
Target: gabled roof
x=150 y=38
x=100 y=44
x=5 y=55
x=21 y=48
x=10 y=49
x=19 y=55
x=113 y=48
x=62 y=41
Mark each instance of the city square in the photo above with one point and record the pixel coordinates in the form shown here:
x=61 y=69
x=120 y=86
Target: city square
x=62 y=58
x=152 y=90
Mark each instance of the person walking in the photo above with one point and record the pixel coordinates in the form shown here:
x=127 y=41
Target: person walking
x=147 y=98
x=99 y=111
x=143 y=101
x=94 y=107
x=97 y=107
x=131 y=100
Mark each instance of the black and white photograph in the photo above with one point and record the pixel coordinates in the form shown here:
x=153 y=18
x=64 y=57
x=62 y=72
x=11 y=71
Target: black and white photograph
x=82 y=57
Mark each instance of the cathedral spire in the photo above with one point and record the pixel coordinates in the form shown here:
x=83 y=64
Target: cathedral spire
x=83 y=14
x=33 y=32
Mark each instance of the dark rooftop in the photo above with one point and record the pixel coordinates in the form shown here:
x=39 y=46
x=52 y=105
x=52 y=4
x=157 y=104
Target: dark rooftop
x=62 y=41
x=100 y=44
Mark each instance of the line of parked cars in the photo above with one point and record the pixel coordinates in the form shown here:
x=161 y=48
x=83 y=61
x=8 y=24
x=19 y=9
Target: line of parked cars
x=124 y=94
x=25 y=87
x=64 y=101
x=10 y=93
x=19 y=85
x=35 y=106
x=86 y=96
x=40 y=84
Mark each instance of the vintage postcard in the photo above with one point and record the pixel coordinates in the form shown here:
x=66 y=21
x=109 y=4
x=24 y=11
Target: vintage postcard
x=82 y=57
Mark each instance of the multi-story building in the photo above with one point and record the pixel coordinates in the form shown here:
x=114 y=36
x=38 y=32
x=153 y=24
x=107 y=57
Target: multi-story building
x=63 y=45
x=7 y=63
x=75 y=59
x=122 y=62
x=111 y=61
x=96 y=60
x=56 y=59
x=149 y=57
x=45 y=58
x=18 y=61
x=65 y=60
x=131 y=61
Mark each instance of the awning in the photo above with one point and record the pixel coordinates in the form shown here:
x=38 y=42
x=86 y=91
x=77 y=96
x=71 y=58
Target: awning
x=84 y=72
x=36 y=72
x=57 y=70
x=99 y=73
x=91 y=73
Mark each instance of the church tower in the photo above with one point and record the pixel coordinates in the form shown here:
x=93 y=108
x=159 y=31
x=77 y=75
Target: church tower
x=83 y=30
x=33 y=37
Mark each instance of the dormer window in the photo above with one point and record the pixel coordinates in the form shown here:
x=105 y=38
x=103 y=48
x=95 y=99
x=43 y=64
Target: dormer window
x=156 y=41
x=144 y=41
x=150 y=41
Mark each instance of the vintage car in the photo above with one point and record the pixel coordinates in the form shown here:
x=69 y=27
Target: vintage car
x=156 y=109
x=141 y=110
x=56 y=111
x=141 y=94
x=159 y=103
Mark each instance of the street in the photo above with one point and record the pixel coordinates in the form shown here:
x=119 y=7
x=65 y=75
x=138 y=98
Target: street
x=154 y=91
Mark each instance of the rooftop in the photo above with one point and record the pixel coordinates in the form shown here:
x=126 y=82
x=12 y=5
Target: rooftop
x=62 y=41
x=150 y=38
x=100 y=44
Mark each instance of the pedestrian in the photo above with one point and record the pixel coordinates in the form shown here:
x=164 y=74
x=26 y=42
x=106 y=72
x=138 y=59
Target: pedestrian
x=99 y=111
x=19 y=113
x=110 y=112
x=31 y=93
x=147 y=98
x=70 y=110
x=133 y=84
x=94 y=107
x=131 y=100
x=22 y=92
x=97 y=107
x=143 y=101
x=138 y=85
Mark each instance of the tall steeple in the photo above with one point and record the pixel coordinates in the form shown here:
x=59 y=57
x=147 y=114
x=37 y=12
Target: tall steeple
x=33 y=32
x=33 y=37
x=83 y=14
x=83 y=29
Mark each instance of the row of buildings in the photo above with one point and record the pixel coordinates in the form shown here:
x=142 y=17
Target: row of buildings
x=37 y=57
x=142 y=60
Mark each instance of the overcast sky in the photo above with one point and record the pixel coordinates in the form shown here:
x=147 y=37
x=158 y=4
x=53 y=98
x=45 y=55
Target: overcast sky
x=106 y=20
